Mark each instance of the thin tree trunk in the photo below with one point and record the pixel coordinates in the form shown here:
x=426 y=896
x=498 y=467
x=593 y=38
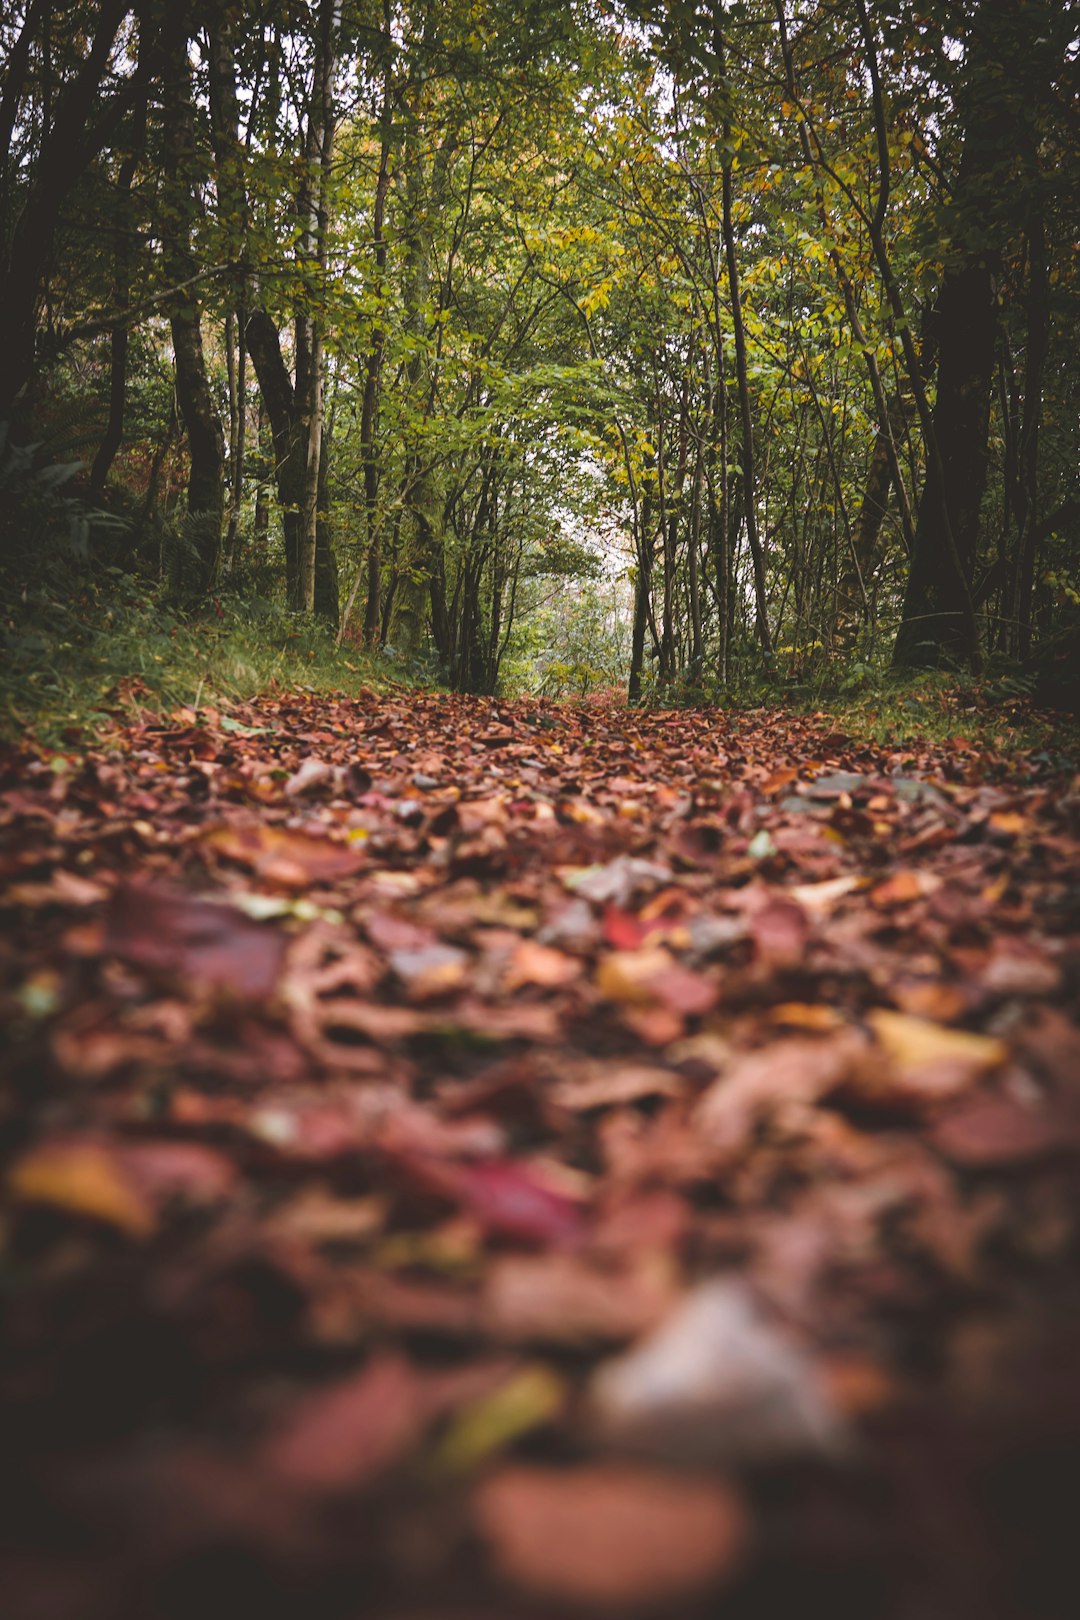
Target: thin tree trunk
x=373 y=368
x=260 y=528
x=753 y=537
x=1038 y=336
x=312 y=253
x=697 y=654
x=206 y=447
x=327 y=585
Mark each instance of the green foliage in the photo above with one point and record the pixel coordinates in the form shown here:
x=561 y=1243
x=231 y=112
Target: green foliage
x=72 y=663
x=45 y=528
x=997 y=713
x=572 y=643
x=529 y=364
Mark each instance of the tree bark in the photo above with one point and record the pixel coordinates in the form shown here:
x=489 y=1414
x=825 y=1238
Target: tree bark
x=311 y=252
x=113 y=436
x=199 y=558
x=275 y=386
x=373 y=367
x=757 y=554
x=71 y=138
x=1038 y=343
x=938 y=624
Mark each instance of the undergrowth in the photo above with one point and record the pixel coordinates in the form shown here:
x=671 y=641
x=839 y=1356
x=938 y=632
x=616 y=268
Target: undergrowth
x=996 y=712
x=110 y=650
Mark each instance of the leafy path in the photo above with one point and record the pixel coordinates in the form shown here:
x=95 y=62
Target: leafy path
x=519 y=1161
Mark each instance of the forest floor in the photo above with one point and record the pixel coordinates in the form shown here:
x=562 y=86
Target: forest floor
x=506 y=1161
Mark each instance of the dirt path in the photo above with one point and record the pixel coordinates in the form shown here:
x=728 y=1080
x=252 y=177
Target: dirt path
x=508 y=1161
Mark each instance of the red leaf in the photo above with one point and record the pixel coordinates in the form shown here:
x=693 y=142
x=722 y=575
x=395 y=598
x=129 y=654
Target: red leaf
x=350 y=1432
x=508 y=1198
x=177 y=934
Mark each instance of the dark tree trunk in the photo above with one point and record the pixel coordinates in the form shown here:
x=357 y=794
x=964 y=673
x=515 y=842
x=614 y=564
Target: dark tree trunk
x=935 y=627
x=260 y=528
x=642 y=603
x=373 y=367
x=199 y=557
x=327 y=589
x=938 y=619
x=233 y=220
x=80 y=125
x=275 y=386
x=1038 y=336
x=113 y=436
x=757 y=554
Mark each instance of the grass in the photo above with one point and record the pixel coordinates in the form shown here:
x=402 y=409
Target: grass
x=995 y=713
x=74 y=667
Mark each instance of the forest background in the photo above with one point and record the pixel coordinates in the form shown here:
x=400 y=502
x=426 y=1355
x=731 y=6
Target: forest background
x=696 y=349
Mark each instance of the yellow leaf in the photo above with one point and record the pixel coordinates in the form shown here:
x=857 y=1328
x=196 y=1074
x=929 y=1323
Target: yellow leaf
x=534 y=1396
x=83 y=1179
x=915 y=1043
x=627 y=976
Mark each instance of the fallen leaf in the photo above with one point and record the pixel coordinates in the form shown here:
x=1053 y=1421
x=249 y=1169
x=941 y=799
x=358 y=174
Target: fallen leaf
x=794 y=1069
x=926 y=1060
x=345 y=1435
x=609 y=1536
x=430 y=971
x=821 y=899
x=779 y=929
x=509 y=1198
x=903 y=887
x=173 y=933
x=311 y=774
x=608 y=1084
x=566 y=1300
x=532 y=1397
x=540 y=965
x=718 y=1383
x=993 y=1131
x=285 y=856
x=82 y=1178
x=652 y=976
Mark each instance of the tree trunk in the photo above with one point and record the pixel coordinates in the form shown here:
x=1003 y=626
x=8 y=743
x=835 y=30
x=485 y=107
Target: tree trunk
x=199 y=557
x=311 y=253
x=373 y=367
x=938 y=625
x=327 y=601
x=642 y=604
x=233 y=219
x=757 y=555
x=275 y=386
x=1038 y=336
x=113 y=436
x=934 y=628
x=80 y=125
x=260 y=528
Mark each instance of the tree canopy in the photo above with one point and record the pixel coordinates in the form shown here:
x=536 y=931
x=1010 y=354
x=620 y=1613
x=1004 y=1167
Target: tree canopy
x=570 y=343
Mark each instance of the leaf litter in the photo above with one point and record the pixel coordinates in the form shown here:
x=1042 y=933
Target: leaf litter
x=469 y=1157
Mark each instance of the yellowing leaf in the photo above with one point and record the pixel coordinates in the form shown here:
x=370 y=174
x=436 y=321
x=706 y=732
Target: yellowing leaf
x=628 y=976
x=540 y=965
x=532 y=1397
x=81 y=1178
x=928 y=1060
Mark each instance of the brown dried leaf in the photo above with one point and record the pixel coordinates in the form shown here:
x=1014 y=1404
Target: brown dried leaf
x=609 y=1536
x=565 y=1300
